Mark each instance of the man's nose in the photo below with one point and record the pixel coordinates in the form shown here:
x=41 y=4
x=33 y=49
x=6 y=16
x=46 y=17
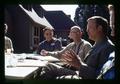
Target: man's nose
x=69 y=35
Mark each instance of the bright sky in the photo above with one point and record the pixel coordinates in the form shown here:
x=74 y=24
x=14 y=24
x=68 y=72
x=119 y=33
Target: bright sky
x=67 y=9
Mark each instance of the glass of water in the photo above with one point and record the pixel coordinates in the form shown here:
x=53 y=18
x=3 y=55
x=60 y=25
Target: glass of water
x=12 y=60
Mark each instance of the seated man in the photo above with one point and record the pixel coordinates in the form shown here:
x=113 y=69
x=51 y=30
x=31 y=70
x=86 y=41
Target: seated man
x=89 y=68
x=8 y=42
x=94 y=60
x=106 y=72
x=79 y=46
x=50 y=43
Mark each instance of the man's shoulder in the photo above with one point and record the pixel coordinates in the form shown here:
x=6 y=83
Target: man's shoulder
x=42 y=43
x=7 y=38
x=71 y=44
x=108 y=44
x=85 y=42
x=56 y=40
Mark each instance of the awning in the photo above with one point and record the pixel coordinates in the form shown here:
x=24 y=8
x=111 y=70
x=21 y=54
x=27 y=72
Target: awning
x=33 y=15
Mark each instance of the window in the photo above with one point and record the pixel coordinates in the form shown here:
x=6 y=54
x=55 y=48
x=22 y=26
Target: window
x=36 y=35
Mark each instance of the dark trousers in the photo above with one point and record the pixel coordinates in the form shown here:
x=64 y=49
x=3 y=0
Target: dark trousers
x=52 y=70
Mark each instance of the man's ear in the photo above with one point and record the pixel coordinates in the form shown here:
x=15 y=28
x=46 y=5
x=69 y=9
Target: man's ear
x=99 y=28
x=81 y=33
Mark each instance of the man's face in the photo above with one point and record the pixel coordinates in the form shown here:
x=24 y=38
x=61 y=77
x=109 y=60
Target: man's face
x=92 y=29
x=75 y=34
x=48 y=34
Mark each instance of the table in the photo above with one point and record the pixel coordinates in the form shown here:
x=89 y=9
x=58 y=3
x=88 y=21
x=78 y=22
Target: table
x=20 y=72
x=24 y=69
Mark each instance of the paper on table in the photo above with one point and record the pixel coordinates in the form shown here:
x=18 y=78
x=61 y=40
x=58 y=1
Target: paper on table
x=45 y=58
x=31 y=63
x=49 y=58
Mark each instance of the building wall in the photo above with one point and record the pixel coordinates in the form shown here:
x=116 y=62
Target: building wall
x=21 y=25
x=21 y=28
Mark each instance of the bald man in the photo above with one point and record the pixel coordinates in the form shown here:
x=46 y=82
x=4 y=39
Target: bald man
x=79 y=46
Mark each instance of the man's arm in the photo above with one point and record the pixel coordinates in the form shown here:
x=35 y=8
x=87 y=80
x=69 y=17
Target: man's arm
x=84 y=50
x=58 y=54
x=90 y=71
x=87 y=72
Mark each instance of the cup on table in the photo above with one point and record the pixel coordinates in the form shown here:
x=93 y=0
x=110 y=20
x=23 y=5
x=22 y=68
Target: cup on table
x=21 y=57
x=12 y=61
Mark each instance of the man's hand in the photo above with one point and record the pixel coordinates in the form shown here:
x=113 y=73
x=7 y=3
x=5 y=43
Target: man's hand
x=44 y=52
x=71 y=58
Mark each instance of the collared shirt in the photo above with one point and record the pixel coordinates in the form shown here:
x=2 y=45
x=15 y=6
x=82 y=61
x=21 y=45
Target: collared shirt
x=81 y=49
x=52 y=45
x=97 y=56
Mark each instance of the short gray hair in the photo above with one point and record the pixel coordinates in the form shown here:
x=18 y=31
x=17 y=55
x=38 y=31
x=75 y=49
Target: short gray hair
x=100 y=21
